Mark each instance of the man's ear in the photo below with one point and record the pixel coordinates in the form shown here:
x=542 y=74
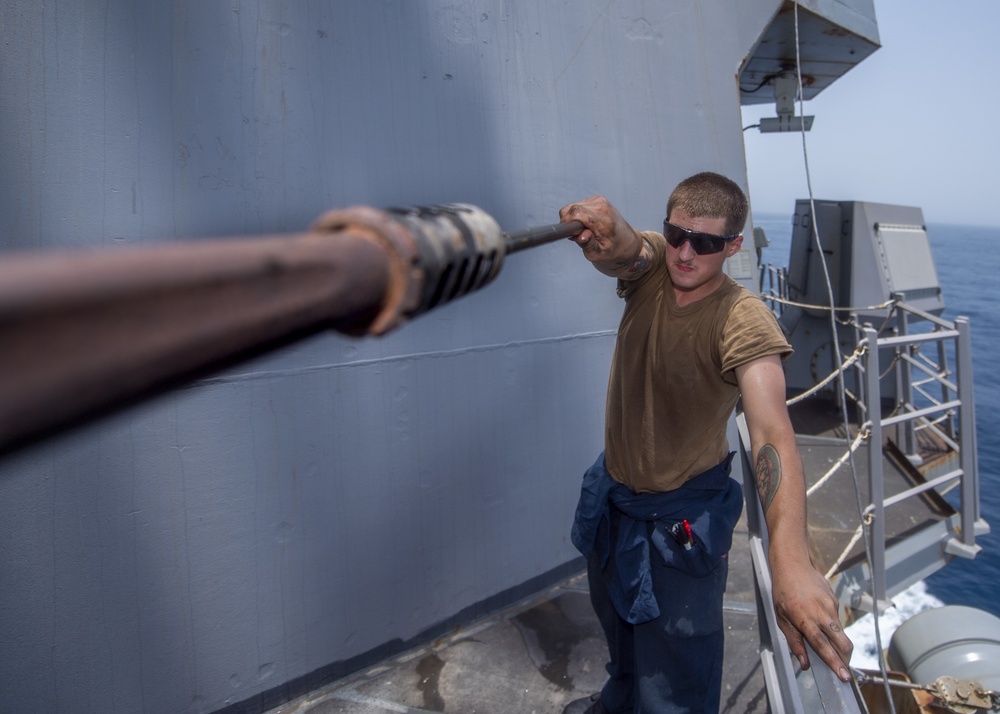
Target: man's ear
x=735 y=245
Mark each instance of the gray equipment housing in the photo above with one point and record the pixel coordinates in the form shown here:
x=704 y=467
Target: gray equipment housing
x=950 y=641
x=874 y=252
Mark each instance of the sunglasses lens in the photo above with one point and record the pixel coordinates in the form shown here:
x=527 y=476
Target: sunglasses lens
x=701 y=243
x=710 y=244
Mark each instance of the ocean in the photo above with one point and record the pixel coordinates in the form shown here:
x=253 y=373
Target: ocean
x=968 y=263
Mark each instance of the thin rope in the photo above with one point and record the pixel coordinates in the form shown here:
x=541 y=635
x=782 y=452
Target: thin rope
x=855 y=445
x=858 y=532
x=830 y=377
x=785 y=301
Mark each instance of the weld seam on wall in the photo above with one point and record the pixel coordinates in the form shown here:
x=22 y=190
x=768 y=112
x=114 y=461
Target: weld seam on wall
x=250 y=376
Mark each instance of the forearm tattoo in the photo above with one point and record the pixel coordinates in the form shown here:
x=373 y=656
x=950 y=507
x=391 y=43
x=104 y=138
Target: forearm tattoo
x=767 y=474
x=641 y=263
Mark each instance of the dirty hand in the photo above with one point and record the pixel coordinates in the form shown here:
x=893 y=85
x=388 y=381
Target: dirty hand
x=606 y=235
x=807 y=608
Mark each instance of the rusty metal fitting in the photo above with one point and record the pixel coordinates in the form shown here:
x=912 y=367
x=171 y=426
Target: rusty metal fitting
x=437 y=253
x=405 y=272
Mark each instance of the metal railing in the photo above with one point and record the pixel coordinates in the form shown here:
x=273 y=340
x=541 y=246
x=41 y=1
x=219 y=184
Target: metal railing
x=774 y=281
x=941 y=402
x=783 y=692
x=949 y=414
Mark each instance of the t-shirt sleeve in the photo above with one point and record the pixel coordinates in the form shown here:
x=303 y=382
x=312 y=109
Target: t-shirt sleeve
x=751 y=332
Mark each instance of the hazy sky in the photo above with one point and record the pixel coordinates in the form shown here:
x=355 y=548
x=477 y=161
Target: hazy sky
x=916 y=123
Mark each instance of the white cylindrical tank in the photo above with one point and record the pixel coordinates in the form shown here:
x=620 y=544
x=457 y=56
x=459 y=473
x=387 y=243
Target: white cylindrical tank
x=953 y=641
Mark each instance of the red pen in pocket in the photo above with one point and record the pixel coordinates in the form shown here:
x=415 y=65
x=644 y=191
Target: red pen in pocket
x=681 y=533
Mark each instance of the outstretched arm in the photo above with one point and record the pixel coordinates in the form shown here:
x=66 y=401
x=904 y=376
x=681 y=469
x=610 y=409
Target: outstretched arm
x=806 y=606
x=608 y=241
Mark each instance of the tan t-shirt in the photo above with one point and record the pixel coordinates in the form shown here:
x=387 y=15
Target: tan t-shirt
x=673 y=386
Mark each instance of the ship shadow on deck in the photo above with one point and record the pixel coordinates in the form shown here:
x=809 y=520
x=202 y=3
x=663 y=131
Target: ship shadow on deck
x=535 y=658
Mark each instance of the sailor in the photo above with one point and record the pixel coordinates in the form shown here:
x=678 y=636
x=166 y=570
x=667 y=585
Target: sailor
x=658 y=507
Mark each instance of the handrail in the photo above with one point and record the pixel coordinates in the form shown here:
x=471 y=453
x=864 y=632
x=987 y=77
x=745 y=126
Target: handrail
x=916 y=339
x=917 y=413
x=926 y=486
x=836 y=696
x=929 y=317
x=932 y=376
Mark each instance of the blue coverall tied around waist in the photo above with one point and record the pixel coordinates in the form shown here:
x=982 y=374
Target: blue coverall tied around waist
x=657 y=565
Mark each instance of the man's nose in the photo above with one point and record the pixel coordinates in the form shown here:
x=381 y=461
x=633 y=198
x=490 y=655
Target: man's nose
x=686 y=252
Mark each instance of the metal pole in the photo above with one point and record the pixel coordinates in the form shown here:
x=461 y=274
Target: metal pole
x=944 y=372
x=531 y=237
x=967 y=435
x=905 y=393
x=873 y=399
x=82 y=332
x=86 y=332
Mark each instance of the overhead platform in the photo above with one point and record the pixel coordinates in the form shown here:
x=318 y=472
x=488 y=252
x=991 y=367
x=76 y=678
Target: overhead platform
x=834 y=36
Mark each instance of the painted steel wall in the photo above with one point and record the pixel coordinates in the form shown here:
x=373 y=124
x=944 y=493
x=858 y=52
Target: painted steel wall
x=278 y=523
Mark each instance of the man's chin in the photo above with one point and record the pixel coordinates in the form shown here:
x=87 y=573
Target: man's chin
x=684 y=279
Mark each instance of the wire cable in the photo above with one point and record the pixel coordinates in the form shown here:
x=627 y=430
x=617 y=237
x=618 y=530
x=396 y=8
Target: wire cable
x=839 y=358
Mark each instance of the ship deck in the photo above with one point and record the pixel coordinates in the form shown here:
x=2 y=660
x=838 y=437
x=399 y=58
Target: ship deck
x=548 y=650
x=535 y=658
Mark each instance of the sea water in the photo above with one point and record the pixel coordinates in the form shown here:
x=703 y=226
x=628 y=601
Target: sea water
x=968 y=267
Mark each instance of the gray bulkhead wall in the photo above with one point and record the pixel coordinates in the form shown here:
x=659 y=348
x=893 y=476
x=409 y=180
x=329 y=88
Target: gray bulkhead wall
x=342 y=496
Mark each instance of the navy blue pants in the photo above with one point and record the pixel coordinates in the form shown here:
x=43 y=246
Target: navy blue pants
x=672 y=664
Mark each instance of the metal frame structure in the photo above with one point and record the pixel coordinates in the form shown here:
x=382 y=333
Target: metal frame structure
x=950 y=415
x=937 y=414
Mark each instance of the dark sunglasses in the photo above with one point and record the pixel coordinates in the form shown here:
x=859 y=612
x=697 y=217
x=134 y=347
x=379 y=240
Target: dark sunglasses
x=701 y=243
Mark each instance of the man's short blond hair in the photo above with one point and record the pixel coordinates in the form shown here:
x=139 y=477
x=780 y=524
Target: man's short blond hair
x=711 y=195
